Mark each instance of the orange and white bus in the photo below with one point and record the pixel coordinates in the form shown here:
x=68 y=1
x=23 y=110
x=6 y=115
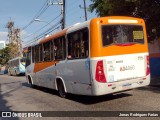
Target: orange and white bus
x=100 y=56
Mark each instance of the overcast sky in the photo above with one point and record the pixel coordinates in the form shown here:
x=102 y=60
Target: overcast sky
x=23 y=11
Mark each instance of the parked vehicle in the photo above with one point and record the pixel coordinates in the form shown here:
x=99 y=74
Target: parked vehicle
x=16 y=66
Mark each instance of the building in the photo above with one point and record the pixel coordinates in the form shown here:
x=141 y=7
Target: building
x=154 y=54
x=2 y=44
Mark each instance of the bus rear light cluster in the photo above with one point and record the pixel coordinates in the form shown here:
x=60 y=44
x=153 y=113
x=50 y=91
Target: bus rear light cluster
x=148 y=68
x=100 y=76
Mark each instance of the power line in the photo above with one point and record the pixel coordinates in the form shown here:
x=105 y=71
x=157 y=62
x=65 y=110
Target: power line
x=40 y=36
x=48 y=31
x=39 y=13
x=62 y=21
x=42 y=27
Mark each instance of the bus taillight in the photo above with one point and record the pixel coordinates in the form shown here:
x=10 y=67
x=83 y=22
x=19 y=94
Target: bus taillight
x=100 y=76
x=148 y=68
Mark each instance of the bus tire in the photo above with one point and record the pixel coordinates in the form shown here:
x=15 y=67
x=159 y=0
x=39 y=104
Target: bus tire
x=30 y=82
x=15 y=73
x=61 y=89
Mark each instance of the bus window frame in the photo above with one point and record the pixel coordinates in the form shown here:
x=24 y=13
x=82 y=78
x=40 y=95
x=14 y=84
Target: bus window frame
x=33 y=57
x=44 y=54
x=112 y=44
x=40 y=53
x=35 y=50
x=63 y=47
x=78 y=31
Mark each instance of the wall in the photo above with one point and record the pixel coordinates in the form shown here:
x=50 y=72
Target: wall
x=154 y=53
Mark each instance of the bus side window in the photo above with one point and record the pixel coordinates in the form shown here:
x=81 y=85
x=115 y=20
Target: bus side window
x=28 y=59
x=59 y=48
x=33 y=54
x=78 y=46
x=84 y=43
x=52 y=51
x=46 y=51
x=40 y=53
x=37 y=53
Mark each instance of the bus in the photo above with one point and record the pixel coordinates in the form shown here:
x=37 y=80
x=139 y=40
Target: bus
x=16 y=66
x=97 y=57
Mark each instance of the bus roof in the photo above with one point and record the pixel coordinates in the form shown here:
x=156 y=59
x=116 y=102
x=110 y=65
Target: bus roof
x=78 y=26
x=54 y=36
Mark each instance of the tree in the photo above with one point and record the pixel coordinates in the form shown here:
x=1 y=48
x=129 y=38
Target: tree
x=13 y=48
x=149 y=10
x=9 y=52
x=112 y=7
x=4 y=56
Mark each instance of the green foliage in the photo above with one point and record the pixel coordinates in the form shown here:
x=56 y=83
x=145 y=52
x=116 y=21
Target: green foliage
x=112 y=7
x=149 y=10
x=9 y=52
x=4 y=56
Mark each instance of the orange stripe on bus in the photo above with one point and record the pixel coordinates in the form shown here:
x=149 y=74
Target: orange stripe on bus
x=54 y=36
x=43 y=65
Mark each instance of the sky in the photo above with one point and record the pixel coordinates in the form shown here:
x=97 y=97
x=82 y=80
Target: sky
x=22 y=12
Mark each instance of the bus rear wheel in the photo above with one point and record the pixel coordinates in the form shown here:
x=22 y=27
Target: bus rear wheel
x=61 y=89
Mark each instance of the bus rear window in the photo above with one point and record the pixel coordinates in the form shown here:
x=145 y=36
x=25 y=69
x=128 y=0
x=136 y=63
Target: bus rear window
x=122 y=34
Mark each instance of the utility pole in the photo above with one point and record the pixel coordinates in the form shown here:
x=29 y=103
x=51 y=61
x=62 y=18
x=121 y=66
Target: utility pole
x=63 y=15
x=62 y=3
x=85 y=12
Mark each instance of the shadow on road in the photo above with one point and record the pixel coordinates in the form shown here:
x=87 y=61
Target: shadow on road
x=87 y=100
x=46 y=90
x=154 y=86
x=3 y=105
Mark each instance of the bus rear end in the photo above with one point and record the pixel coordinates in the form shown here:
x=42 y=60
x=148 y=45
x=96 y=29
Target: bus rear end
x=119 y=54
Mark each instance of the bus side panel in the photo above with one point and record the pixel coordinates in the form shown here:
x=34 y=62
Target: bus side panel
x=77 y=74
x=30 y=72
x=43 y=73
x=74 y=73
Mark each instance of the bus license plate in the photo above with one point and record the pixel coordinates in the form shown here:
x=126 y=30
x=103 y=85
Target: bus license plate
x=126 y=86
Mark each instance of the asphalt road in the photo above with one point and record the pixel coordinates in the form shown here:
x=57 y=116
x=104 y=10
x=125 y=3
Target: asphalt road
x=17 y=95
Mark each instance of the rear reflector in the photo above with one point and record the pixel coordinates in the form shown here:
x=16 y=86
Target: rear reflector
x=100 y=76
x=109 y=85
x=148 y=68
